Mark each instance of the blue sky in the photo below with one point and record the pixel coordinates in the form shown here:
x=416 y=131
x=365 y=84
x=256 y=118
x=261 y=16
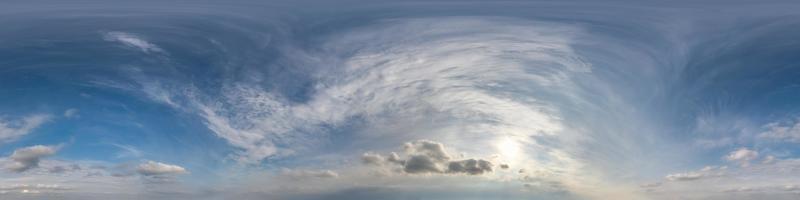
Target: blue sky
x=399 y=100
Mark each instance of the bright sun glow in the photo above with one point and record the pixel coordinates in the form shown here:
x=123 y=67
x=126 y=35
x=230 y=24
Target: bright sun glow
x=509 y=149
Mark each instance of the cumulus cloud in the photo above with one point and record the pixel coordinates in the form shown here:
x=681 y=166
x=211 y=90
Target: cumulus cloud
x=157 y=169
x=27 y=158
x=422 y=164
x=742 y=155
x=131 y=40
x=11 y=129
x=430 y=149
x=428 y=157
x=372 y=159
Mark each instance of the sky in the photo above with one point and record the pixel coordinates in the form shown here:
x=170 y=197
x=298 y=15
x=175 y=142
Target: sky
x=311 y=99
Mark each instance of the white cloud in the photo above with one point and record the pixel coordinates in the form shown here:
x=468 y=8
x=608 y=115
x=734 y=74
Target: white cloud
x=11 y=129
x=685 y=176
x=468 y=81
x=427 y=148
x=742 y=155
x=705 y=172
x=27 y=158
x=32 y=188
x=372 y=159
x=774 y=178
x=131 y=40
x=152 y=168
x=791 y=187
x=128 y=151
x=300 y=174
x=769 y=159
x=783 y=132
x=82 y=179
x=71 y=113
x=742 y=189
x=445 y=78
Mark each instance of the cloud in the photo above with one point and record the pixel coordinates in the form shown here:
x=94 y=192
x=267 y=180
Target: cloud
x=541 y=183
x=71 y=113
x=301 y=174
x=32 y=188
x=11 y=129
x=437 y=71
x=769 y=159
x=742 y=189
x=705 y=172
x=791 y=188
x=782 y=132
x=689 y=176
x=742 y=155
x=28 y=157
x=427 y=148
x=62 y=169
x=469 y=166
x=422 y=164
x=769 y=179
x=651 y=185
x=372 y=159
x=131 y=40
x=428 y=157
x=157 y=169
x=127 y=151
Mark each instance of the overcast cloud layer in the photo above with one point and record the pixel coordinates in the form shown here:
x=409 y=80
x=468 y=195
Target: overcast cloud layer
x=399 y=100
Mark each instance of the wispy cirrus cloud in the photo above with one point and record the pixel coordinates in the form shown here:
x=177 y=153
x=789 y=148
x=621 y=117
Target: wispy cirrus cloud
x=11 y=129
x=785 y=132
x=132 y=40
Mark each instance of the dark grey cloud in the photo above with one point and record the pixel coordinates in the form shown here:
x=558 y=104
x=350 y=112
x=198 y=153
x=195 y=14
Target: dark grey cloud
x=470 y=166
x=421 y=164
